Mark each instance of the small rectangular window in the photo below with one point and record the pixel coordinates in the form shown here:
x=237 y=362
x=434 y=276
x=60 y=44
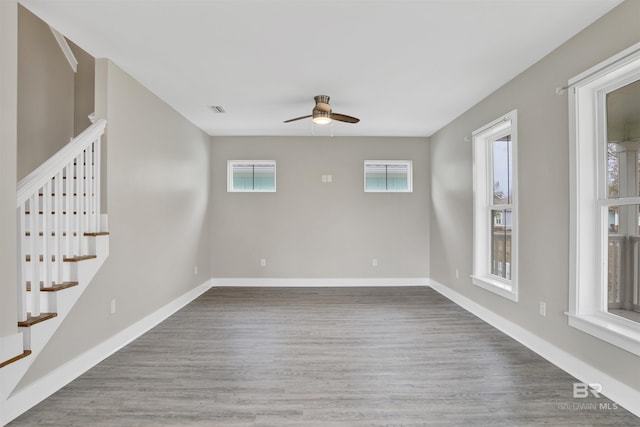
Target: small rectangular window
x=251 y=176
x=388 y=176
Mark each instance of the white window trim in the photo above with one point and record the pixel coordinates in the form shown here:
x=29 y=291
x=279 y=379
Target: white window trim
x=482 y=183
x=409 y=165
x=231 y=163
x=588 y=228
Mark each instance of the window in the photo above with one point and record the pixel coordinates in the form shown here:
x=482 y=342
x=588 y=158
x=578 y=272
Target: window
x=495 y=207
x=604 y=108
x=251 y=176
x=387 y=176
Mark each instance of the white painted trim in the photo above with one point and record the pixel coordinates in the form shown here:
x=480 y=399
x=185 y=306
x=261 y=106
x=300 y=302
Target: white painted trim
x=36 y=179
x=602 y=68
x=587 y=309
x=496 y=286
x=34 y=393
x=483 y=205
x=66 y=49
x=612 y=388
x=328 y=282
x=610 y=328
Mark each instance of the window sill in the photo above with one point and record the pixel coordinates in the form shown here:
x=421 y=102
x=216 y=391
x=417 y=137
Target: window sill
x=388 y=191
x=496 y=286
x=613 y=329
x=251 y=191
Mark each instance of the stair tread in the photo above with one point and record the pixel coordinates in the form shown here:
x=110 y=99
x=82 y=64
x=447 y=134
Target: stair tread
x=34 y=320
x=15 y=359
x=79 y=258
x=53 y=288
x=72 y=259
x=97 y=233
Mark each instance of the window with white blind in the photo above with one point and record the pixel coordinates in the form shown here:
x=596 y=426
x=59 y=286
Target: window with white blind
x=251 y=176
x=495 y=207
x=388 y=176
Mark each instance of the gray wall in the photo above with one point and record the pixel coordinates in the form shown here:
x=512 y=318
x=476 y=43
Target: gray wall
x=310 y=229
x=45 y=94
x=8 y=138
x=543 y=157
x=83 y=88
x=158 y=173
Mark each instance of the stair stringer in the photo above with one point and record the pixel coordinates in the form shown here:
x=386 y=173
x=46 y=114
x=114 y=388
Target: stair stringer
x=37 y=336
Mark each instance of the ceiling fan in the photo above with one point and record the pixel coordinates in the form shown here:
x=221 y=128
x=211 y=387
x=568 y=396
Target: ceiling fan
x=322 y=113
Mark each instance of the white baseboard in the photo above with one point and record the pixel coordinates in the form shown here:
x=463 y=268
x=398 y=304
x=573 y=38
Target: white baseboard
x=615 y=390
x=323 y=282
x=34 y=393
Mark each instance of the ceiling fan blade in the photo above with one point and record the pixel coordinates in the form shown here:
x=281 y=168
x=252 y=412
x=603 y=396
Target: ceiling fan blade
x=297 y=118
x=344 y=118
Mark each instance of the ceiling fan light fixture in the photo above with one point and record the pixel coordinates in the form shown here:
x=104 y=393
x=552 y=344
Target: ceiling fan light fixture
x=323 y=115
x=322 y=120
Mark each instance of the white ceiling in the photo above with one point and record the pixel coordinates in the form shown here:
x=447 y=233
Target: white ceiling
x=405 y=68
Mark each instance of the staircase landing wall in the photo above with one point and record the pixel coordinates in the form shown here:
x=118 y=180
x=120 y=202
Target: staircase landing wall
x=8 y=114
x=45 y=94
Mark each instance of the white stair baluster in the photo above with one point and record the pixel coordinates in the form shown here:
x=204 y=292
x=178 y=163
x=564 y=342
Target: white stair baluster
x=35 y=255
x=57 y=247
x=96 y=181
x=22 y=265
x=46 y=233
x=92 y=177
x=85 y=195
x=77 y=206
x=67 y=209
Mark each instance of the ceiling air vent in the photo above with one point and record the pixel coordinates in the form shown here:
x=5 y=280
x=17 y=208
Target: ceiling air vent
x=217 y=109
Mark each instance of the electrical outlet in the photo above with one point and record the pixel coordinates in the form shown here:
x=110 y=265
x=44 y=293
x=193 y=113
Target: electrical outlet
x=113 y=306
x=457 y=273
x=263 y=262
x=543 y=308
x=195 y=270
x=329 y=178
x=374 y=262
x=324 y=178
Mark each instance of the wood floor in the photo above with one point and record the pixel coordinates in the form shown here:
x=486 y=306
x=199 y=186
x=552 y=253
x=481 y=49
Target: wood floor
x=323 y=357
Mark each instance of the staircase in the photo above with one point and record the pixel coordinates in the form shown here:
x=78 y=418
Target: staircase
x=62 y=243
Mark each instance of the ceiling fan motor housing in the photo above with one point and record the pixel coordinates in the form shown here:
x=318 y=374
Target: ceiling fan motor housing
x=322 y=103
x=322 y=113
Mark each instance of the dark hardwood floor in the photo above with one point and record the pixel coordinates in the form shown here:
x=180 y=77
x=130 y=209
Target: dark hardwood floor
x=323 y=357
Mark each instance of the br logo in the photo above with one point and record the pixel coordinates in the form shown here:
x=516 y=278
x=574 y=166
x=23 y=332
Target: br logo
x=582 y=390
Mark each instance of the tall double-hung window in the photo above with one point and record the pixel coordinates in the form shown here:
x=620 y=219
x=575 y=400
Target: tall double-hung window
x=495 y=207
x=604 y=108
